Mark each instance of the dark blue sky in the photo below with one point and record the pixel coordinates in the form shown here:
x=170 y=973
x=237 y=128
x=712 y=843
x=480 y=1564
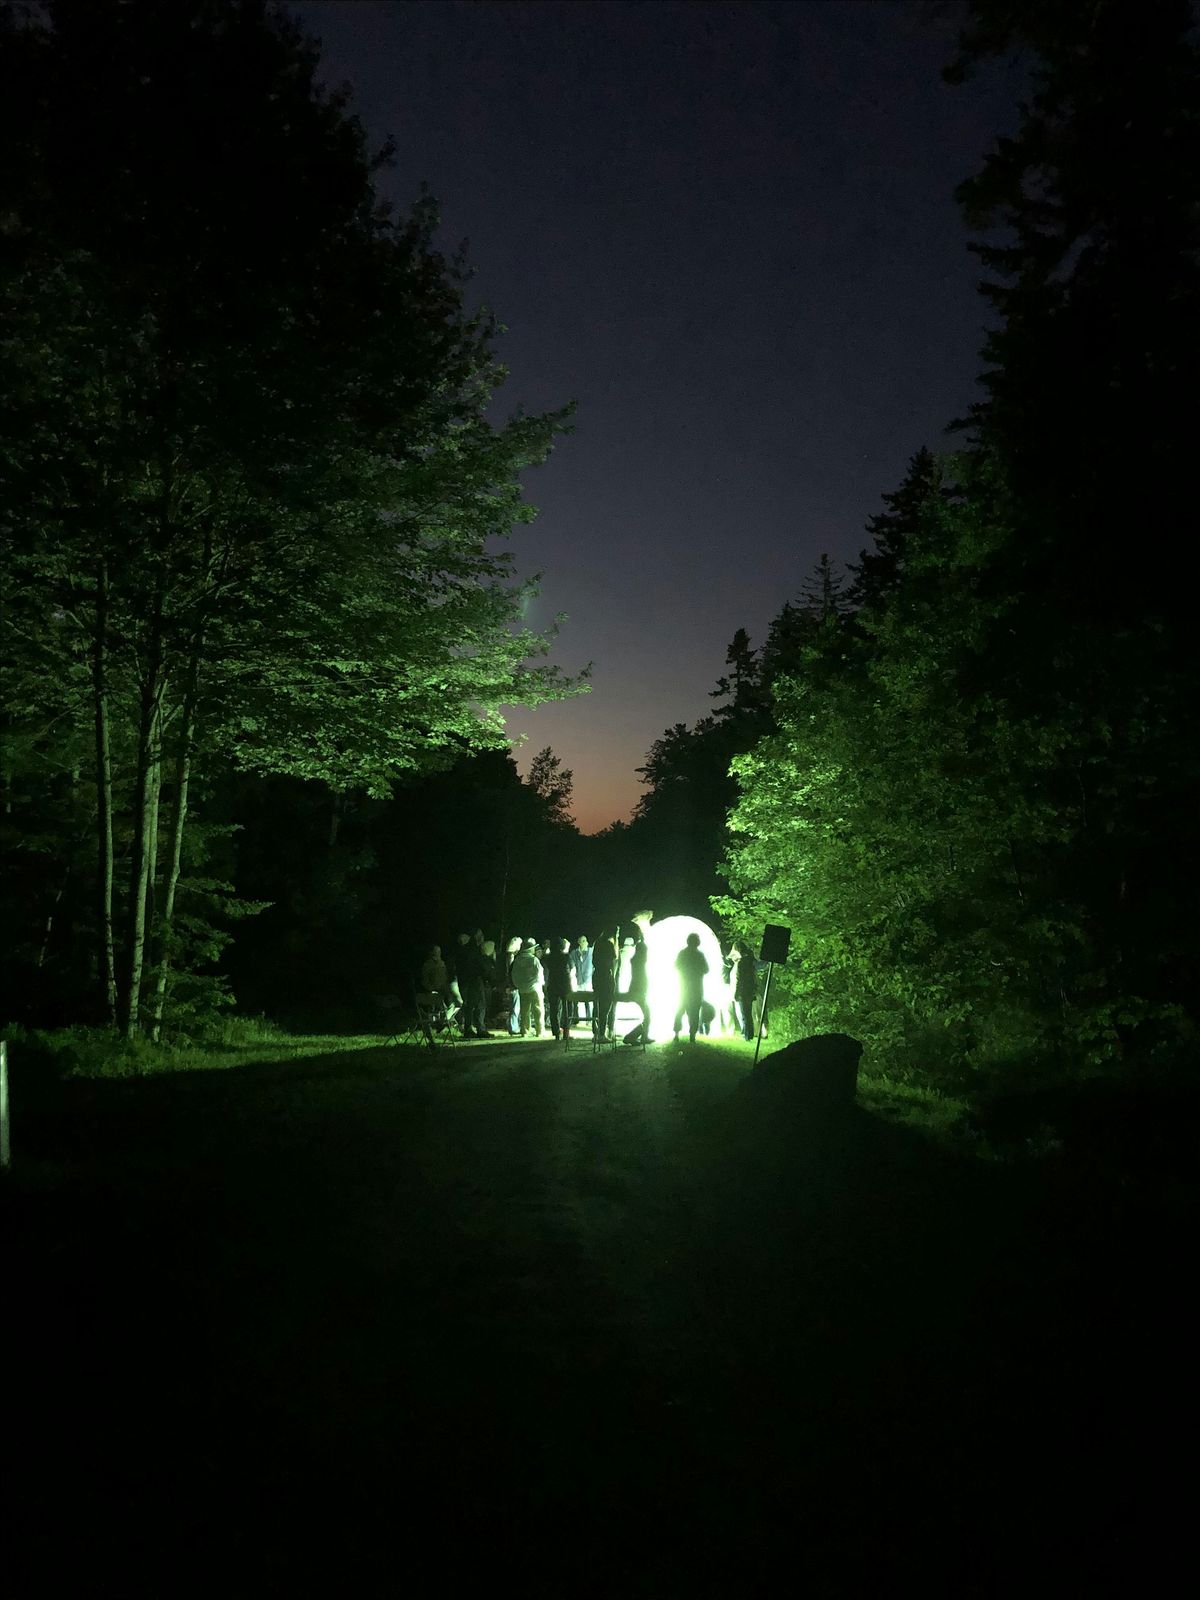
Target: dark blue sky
x=728 y=232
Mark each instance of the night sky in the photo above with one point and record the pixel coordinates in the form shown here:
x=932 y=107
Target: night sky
x=728 y=233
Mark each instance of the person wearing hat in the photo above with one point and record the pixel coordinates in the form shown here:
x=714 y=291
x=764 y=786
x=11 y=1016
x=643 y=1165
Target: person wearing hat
x=527 y=976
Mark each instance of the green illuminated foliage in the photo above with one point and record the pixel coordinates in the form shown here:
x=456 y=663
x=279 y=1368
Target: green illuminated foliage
x=251 y=488
x=976 y=808
x=879 y=568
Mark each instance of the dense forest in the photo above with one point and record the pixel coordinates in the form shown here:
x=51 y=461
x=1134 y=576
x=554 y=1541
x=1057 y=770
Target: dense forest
x=976 y=802
x=251 y=494
x=259 y=616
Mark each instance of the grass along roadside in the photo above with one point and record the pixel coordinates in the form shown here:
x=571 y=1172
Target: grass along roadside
x=48 y=1055
x=999 y=1123
x=79 y=1052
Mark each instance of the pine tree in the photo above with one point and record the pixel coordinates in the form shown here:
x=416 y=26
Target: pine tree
x=1094 y=286
x=878 y=571
x=553 y=784
x=797 y=627
x=1094 y=363
x=824 y=593
x=789 y=635
x=742 y=687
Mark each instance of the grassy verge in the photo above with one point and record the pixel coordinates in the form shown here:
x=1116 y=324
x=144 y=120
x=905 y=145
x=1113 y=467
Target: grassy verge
x=98 y=1053
x=941 y=1116
x=1012 y=1122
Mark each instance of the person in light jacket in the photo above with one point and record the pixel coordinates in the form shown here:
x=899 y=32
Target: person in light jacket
x=581 y=967
x=511 y=951
x=434 y=977
x=529 y=979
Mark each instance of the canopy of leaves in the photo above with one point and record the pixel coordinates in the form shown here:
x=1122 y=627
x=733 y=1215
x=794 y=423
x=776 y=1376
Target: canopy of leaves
x=973 y=808
x=251 y=493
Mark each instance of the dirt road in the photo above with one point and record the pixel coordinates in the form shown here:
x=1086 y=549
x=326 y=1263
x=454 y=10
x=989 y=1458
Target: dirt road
x=559 y=1323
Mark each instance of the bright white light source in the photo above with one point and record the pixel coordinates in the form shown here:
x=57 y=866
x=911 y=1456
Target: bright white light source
x=665 y=940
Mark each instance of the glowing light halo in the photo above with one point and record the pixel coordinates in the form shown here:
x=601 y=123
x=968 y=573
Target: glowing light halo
x=664 y=941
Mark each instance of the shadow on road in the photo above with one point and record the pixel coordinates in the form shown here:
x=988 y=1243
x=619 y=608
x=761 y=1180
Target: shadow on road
x=575 y=1325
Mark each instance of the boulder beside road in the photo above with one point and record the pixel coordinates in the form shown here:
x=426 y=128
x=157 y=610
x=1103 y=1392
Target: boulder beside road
x=821 y=1071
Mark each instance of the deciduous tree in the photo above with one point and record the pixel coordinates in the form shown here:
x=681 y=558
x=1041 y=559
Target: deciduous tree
x=252 y=461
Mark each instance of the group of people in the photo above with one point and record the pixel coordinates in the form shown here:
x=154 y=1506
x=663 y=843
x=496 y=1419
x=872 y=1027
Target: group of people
x=554 y=985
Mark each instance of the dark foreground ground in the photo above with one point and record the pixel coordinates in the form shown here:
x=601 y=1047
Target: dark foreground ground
x=509 y=1319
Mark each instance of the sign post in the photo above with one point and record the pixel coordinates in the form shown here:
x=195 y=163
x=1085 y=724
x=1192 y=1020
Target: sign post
x=5 y=1149
x=775 y=941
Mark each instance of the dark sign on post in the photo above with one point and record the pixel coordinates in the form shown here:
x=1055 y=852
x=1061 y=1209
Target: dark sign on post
x=775 y=941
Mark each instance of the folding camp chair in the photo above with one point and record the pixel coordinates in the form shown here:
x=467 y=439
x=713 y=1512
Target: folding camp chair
x=623 y=1034
x=435 y=1019
x=585 y=1028
x=599 y=1045
x=632 y=1037
x=402 y=1021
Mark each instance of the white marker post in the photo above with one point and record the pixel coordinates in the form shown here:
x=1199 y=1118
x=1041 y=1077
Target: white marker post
x=5 y=1151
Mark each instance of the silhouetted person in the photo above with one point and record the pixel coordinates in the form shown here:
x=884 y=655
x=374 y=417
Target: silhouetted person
x=458 y=975
x=491 y=980
x=604 y=985
x=639 y=983
x=692 y=968
x=559 y=1005
x=469 y=972
x=745 y=988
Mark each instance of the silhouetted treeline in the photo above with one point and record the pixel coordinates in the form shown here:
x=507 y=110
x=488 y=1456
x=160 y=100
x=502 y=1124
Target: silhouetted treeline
x=976 y=805
x=356 y=889
x=965 y=775
x=359 y=888
x=249 y=493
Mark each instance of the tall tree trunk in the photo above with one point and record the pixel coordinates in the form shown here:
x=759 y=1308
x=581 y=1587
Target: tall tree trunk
x=145 y=807
x=183 y=772
x=106 y=962
x=48 y=925
x=155 y=797
x=183 y=768
x=145 y=817
x=503 y=946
